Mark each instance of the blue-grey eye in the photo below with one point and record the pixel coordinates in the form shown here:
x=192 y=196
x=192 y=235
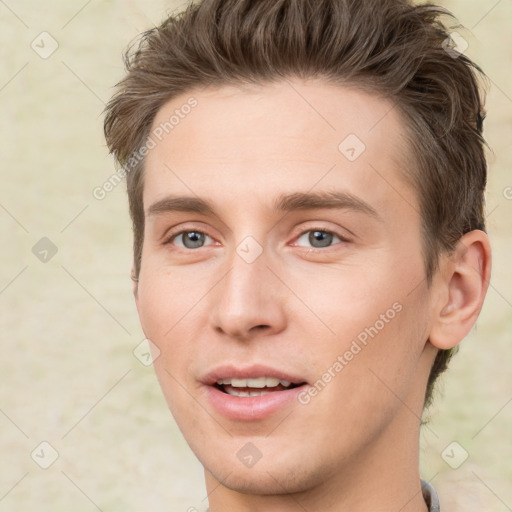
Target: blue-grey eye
x=318 y=239
x=191 y=239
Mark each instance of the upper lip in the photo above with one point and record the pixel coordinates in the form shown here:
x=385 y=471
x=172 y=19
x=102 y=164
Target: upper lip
x=248 y=372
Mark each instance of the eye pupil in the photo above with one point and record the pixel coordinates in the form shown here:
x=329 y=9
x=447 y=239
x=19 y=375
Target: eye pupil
x=193 y=239
x=325 y=239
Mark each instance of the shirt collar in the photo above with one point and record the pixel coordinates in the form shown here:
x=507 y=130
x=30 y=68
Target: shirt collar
x=430 y=496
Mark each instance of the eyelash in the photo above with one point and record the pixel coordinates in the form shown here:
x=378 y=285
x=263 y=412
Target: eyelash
x=171 y=238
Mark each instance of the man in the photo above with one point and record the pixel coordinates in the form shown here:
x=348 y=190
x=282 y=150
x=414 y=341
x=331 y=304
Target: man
x=306 y=184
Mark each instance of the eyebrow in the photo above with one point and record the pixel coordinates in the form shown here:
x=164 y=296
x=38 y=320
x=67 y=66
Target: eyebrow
x=181 y=204
x=283 y=203
x=318 y=200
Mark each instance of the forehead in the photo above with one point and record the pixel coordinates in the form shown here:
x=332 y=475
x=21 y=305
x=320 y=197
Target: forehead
x=288 y=134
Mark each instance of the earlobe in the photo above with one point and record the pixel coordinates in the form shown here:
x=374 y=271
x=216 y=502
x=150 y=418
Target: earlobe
x=464 y=280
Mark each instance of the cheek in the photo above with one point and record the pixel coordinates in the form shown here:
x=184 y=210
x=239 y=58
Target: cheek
x=364 y=383
x=167 y=313
x=378 y=319
x=348 y=301
x=166 y=296
x=381 y=353
x=155 y=306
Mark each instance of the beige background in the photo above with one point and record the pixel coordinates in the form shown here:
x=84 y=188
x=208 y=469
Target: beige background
x=69 y=327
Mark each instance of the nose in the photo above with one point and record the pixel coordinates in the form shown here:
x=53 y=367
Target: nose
x=249 y=300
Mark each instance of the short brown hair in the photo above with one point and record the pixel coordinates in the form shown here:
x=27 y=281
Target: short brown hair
x=392 y=48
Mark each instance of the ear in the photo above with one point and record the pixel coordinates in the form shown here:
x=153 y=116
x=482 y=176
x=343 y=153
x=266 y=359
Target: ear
x=464 y=279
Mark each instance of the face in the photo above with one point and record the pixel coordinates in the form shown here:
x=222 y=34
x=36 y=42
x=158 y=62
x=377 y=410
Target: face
x=294 y=264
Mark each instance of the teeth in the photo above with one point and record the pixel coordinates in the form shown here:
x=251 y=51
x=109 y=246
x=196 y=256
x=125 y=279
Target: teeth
x=260 y=382
x=235 y=392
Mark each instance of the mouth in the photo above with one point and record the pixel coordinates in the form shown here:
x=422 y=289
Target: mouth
x=259 y=386
x=251 y=393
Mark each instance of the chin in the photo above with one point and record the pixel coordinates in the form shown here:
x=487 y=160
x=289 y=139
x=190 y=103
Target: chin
x=285 y=472
x=264 y=481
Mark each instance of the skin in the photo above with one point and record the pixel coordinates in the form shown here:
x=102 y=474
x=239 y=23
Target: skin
x=354 y=446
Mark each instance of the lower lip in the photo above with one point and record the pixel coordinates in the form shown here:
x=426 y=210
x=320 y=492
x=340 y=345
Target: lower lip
x=251 y=408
